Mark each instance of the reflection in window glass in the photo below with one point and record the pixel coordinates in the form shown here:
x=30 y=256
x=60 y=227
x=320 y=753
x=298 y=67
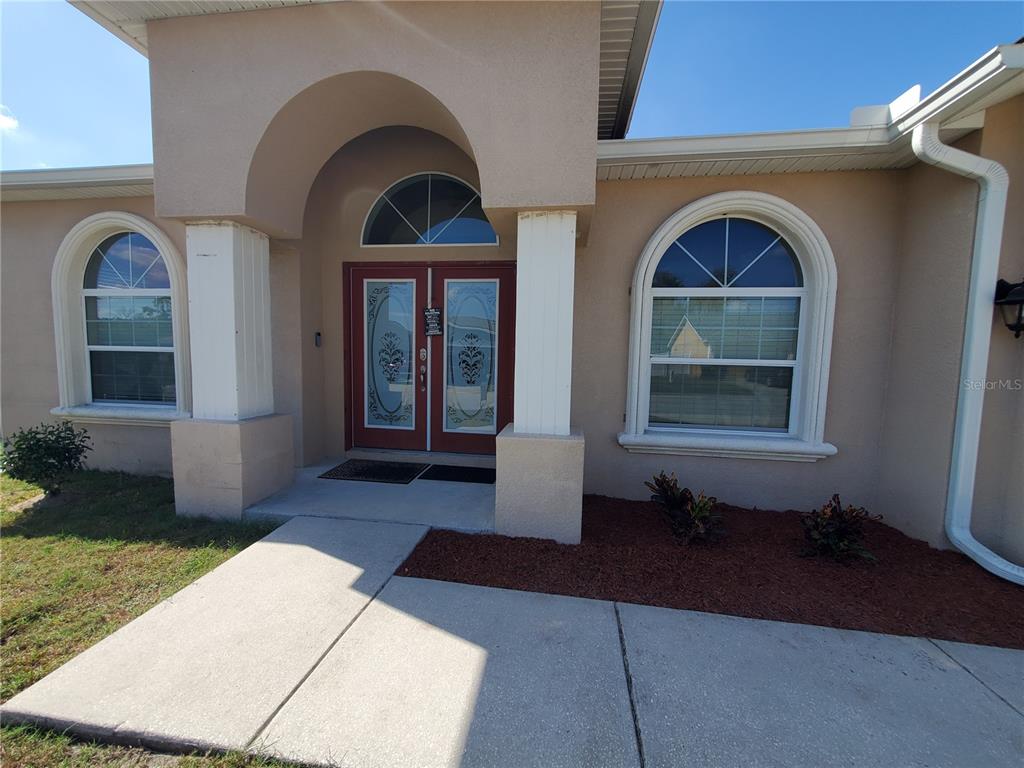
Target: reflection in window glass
x=729 y=252
x=428 y=209
x=734 y=396
x=707 y=307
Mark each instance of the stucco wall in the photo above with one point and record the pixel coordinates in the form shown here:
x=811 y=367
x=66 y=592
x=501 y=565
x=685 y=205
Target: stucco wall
x=342 y=195
x=928 y=316
x=515 y=83
x=860 y=213
x=924 y=375
x=30 y=235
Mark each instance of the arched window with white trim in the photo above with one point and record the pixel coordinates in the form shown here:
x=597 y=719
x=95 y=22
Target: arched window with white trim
x=428 y=209
x=120 y=316
x=128 y=322
x=733 y=300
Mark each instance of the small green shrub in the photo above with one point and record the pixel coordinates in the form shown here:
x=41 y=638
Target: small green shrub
x=690 y=518
x=43 y=455
x=836 y=531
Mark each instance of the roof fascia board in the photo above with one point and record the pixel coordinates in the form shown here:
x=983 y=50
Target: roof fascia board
x=643 y=33
x=743 y=145
x=110 y=26
x=57 y=178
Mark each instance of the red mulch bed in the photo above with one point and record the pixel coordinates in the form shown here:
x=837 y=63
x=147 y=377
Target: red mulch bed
x=628 y=554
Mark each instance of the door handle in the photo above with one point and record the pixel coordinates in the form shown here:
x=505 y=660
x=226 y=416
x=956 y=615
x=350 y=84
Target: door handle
x=423 y=378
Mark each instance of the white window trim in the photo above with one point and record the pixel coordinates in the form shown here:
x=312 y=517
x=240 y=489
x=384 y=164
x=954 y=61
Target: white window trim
x=805 y=440
x=69 y=323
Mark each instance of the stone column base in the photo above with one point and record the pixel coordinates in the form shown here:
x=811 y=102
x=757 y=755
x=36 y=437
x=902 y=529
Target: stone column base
x=539 y=486
x=222 y=467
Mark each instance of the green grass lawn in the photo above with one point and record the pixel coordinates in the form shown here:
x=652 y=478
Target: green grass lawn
x=75 y=567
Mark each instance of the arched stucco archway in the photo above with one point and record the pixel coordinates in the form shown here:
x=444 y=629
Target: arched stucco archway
x=313 y=125
x=244 y=102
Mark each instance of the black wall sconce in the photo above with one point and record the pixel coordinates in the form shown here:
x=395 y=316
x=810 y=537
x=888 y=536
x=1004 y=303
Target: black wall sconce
x=317 y=339
x=1010 y=300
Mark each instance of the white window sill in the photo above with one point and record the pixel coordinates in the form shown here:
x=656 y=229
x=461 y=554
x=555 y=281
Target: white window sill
x=137 y=415
x=770 y=447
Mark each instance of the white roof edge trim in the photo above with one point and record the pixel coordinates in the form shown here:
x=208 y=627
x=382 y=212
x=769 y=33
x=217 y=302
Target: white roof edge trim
x=959 y=97
x=742 y=144
x=104 y=175
x=110 y=26
x=965 y=89
x=647 y=25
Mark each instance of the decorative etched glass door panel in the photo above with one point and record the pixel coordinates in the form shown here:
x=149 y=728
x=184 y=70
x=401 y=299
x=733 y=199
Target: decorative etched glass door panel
x=390 y=354
x=386 y=357
x=471 y=356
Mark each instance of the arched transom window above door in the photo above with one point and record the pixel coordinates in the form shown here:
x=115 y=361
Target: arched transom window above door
x=428 y=209
x=733 y=301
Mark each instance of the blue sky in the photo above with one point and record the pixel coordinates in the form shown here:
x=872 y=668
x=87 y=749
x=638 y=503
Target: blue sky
x=74 y=95
x=730 y=67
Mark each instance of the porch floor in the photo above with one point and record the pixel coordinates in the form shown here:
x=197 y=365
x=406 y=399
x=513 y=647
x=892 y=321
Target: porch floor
x=435 y=503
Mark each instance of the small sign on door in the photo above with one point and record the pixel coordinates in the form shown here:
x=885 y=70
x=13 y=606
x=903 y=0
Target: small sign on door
x=432 y=321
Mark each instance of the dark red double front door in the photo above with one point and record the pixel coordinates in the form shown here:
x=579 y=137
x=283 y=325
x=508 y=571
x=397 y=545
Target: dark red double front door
x=430 y=355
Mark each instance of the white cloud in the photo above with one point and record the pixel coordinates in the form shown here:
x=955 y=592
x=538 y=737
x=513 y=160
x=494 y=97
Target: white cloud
x=8 y=122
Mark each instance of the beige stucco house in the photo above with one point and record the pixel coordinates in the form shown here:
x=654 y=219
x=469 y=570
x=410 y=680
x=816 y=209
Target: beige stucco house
x=776 y=317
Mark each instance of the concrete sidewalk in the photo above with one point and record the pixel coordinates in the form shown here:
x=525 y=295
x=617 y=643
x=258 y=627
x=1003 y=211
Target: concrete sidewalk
x=304 y=647
x=208 y=667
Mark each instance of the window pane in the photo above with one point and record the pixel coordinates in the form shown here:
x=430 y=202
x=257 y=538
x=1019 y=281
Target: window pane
x=732 y=328
x=129 y=321
x=409 y=196
x=695 y=260
x=747 y=240
x=148 y=267
x=777 y=268
x=728 y=252
x=126 y=260
x=781 y=312
x=471 y=227
x=142 y=377
x=386 y=227
x=110 y=265
x=736 y=397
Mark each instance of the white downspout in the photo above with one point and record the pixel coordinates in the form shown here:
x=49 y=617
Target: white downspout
x=993 y=182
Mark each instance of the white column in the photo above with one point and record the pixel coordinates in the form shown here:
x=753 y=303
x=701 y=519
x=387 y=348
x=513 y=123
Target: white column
x=545 y=272
x=229 y=321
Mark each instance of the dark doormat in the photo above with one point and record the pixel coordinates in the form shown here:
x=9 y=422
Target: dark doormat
x=375 y=471
x=459 y=474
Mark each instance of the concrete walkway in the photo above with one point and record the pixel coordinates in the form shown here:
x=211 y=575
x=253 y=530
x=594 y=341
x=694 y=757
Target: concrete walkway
x=303 y=647
x=435 y=503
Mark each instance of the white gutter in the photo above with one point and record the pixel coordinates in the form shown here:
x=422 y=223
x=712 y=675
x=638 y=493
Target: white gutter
x=993 y=182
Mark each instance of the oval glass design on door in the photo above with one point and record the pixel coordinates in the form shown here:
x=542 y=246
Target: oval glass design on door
x=471 y=353
x=390 y=391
